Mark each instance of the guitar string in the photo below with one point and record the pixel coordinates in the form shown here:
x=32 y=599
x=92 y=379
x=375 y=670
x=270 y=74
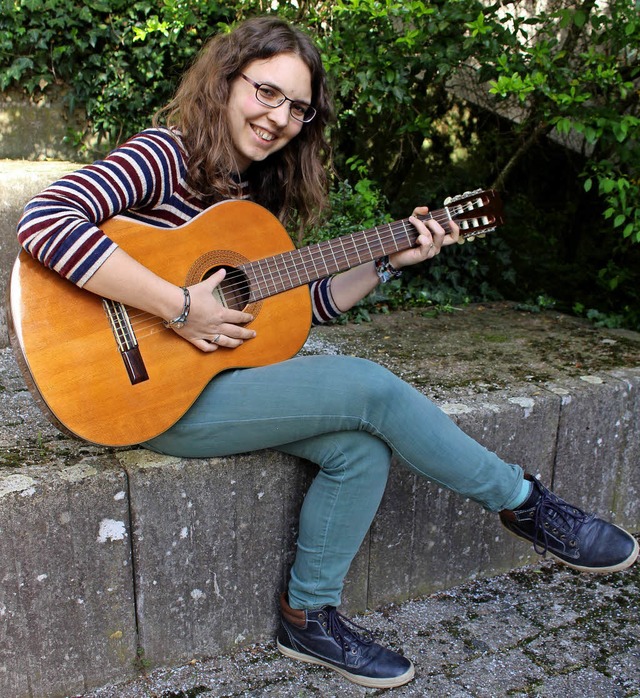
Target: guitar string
x=386 y=233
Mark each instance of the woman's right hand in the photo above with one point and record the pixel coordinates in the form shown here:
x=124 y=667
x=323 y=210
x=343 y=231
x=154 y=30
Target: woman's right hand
x=210 y=324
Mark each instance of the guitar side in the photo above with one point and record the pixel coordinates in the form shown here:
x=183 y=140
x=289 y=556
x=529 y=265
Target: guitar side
x=66 y=347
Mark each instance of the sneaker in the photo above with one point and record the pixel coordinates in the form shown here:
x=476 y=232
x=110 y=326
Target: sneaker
x=328 y=638
x=578 y=539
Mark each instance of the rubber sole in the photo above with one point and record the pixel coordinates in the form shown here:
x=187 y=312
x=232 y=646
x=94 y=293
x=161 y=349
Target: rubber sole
x=354 y=678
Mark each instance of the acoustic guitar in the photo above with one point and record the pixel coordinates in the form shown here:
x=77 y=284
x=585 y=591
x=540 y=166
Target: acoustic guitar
x=113 y=375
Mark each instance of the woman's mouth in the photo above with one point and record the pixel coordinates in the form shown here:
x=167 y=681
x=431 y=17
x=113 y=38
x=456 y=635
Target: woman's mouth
x=262 y=134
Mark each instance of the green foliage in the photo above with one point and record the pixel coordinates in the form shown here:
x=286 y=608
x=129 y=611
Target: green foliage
x=353 y=208
x=541 y=303
x=117 y=60
x=389 y=63
x=576 y=70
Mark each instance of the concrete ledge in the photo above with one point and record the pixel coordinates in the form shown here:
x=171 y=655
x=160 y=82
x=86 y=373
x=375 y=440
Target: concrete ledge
x=213 y=540
x=67 y=616
x=106 y=551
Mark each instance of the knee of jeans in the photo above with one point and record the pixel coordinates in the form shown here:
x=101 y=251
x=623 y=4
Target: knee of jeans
x=358 y=454
x=378 y=382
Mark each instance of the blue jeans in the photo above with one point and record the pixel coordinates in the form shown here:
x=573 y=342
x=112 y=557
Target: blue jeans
x=348 y=416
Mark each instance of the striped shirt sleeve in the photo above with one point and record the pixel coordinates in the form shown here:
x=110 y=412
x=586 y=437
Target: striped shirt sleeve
x=59 y=227
x=322 y=303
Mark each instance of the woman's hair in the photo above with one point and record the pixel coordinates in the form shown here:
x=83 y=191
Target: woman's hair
x=292 y=182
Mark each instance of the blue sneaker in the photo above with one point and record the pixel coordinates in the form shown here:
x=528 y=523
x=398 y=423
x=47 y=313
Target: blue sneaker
x=329 y=639
x=580 y=540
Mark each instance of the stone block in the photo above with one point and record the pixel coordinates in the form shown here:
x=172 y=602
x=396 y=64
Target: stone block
x=67 y=618
x=426 y=538
x=627 y=501
x=213 y=541
x=597 y=444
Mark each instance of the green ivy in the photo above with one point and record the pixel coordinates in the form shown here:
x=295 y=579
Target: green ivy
x=117 y=60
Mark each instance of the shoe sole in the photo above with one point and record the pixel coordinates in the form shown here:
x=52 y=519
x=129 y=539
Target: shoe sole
x=354 y=678
x=625 y=564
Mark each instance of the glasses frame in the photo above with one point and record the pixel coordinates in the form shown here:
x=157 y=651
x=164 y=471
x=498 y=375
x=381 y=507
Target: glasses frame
x=309 y=109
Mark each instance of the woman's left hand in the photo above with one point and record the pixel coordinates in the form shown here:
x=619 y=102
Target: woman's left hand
x=431 y=238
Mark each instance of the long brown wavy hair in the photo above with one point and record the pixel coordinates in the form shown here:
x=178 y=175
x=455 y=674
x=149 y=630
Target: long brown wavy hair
x=291 y=183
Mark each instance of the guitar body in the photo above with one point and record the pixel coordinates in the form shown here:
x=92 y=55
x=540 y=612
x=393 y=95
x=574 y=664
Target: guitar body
x=66 y=346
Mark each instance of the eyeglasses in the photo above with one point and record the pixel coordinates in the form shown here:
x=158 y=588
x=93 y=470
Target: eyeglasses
x=272 y=97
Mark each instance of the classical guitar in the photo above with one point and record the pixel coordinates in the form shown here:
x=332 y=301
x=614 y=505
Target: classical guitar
x=113 y=375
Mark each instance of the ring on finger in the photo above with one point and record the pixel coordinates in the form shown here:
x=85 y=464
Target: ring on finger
x=215 y=339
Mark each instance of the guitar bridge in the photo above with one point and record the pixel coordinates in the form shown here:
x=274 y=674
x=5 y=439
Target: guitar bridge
x=126 y=341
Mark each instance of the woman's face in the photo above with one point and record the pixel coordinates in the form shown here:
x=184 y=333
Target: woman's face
x=258 y=131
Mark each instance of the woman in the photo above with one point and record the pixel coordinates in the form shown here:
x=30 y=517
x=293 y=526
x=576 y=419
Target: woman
x=248 y=121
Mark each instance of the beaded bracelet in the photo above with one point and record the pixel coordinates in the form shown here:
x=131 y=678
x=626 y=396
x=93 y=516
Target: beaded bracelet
x=179 y=321
x=385 y=270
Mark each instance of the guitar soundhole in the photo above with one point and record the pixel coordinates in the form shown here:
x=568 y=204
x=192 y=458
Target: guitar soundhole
x=234 y=290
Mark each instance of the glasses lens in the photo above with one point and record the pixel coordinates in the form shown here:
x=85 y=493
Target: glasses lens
x=270 y=96
x=302 y=112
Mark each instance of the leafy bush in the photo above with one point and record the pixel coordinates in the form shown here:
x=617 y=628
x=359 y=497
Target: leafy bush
x=102 y=55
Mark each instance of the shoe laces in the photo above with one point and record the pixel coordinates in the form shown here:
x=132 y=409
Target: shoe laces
x=345 y=631
x=555 y=516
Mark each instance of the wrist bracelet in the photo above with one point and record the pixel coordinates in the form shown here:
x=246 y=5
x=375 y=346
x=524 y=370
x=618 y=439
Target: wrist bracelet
x=385 y=270
x=179 y=321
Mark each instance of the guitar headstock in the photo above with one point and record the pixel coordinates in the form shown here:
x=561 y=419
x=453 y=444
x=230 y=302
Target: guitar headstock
x=476 y=212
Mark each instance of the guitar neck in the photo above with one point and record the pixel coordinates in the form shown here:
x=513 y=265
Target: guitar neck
x=273 y=275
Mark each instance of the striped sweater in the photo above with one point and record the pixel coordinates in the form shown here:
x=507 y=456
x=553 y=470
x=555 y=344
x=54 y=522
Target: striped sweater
x=144 y=179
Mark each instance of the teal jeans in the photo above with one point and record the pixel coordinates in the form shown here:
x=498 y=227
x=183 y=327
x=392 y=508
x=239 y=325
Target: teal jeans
x=348 y=416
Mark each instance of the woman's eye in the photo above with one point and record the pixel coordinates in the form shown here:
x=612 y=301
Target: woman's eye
x=268 y=93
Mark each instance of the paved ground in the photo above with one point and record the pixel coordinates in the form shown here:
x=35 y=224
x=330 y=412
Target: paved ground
x=539 y=631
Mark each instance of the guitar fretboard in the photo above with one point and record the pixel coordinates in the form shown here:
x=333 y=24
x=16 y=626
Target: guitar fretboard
x=475 y=213
x=282 y=272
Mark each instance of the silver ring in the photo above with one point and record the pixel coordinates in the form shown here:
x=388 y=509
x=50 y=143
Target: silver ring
x=215 y=339
x=431 y=246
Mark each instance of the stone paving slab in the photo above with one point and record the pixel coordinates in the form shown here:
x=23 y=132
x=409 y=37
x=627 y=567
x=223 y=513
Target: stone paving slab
x=540 y=631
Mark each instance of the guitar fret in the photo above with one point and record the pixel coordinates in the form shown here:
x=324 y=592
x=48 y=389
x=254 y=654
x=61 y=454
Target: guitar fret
x=406 y=234
x=296 y=267
x=309 y=254
x=264 y=284
x=344 y=251
x=324 y=248
x=377 y=232
x=318 y=253
x=278 y=281
x=355 y=249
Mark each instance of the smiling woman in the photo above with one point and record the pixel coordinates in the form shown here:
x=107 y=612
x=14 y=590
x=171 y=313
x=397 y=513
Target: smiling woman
x=259 y=129
x=294 y=185
x=248 y=121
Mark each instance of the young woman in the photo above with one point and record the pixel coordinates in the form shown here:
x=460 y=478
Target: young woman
x=248 y=121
